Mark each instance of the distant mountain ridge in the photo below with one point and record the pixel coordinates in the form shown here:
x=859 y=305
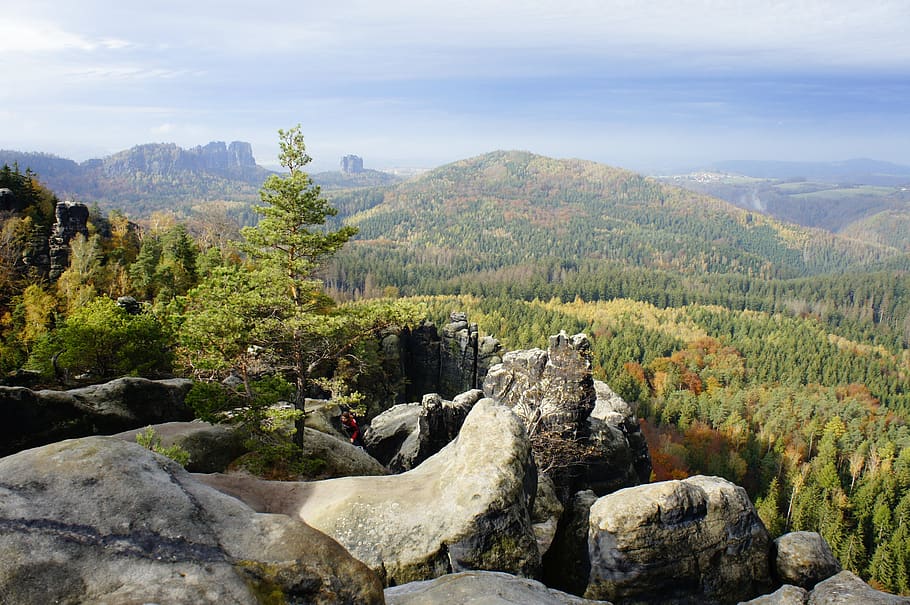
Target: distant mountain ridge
x=152 y=176
x=861 y=170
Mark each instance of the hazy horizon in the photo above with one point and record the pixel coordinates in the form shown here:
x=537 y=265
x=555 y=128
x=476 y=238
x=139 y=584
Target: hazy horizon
x=651 y=87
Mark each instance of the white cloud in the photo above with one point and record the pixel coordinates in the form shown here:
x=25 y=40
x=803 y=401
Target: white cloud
x=19 y=36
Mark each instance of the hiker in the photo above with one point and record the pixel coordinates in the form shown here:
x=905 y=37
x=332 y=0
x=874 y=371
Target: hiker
x=350 y=426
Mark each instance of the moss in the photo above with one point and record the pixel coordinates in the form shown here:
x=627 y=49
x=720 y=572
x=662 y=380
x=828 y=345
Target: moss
x=262 y=579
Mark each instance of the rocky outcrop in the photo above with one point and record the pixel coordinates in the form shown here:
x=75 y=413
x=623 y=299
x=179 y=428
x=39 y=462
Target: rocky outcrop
x=38 y=417
x=614 y=431
x=212 y=447
x=550 y=390
x=693 y=541
x=785 y=595
x=9 y=202
x=71 y=219
x=480 y=588
x=554 y=392
x=407 y=434
x=847 y=589
x=804 y=559
x=99 y=520
x=451 y=361
x=420 y=359
x=467 y=507
x=465 y=358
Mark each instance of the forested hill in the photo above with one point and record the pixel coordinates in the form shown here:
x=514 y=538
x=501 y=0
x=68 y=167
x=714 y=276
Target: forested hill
x=505 y=208
x=521 y=225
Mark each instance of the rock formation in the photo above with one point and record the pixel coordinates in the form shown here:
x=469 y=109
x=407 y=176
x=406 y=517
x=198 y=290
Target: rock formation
x=407 y=434
x=804 y=559
x=449 y=362
x=99 y=520
x=693 y=541
x=554 y=392
x=467 y=507
x=38 y=417
x=71 y=219
x=212 y=447
x=785 y=595
x=480 y=588
x=846 y=588
x=546 y=513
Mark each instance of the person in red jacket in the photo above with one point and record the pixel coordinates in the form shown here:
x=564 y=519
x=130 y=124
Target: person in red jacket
x=351 y=428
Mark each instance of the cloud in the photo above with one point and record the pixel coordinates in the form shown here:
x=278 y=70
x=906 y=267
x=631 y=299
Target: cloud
x=19 y=36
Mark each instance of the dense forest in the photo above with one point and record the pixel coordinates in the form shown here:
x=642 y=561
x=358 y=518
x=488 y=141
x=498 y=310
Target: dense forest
x=813 y=425
x=771 y=354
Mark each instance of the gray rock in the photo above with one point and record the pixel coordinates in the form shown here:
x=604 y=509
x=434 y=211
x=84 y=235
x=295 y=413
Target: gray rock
x=71 y=219
x=555 y=393
x=479 y=588
x=693 y=541
x=567 y=564
x=785 y=595
x=100 y=520
x=846 y=588
x=549 y=390
x=212 y=447
x=804 y=559
x=613 y=410
x=393 y=436
x=405 y=435
x=546 y=513
x=342 y=459
x=467 y=507
x=324 y=416
x=35 y=418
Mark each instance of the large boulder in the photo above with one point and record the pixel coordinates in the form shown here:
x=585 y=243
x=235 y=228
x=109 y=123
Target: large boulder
x=803 y=558
x=693 y=541
x=785 y=595
x=100 y=520
x=35 y=418
x=467 y=507
x=407 y=434
x=846 y=588
x=212 y=447
x=479 y=588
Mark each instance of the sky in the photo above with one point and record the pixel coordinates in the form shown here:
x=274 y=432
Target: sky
x=651 y=85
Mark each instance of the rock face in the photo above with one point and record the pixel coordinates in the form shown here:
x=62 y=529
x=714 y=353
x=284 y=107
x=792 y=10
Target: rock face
x=479 y=588
x=585 y=435
x=39 y=417
x=804 y=559
x=693 y=541
x=465 y=359
x=407 y=434
x=847 y=589
x=104 y=521
x=71 y=219
x=467 y=507
x=451 y=362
